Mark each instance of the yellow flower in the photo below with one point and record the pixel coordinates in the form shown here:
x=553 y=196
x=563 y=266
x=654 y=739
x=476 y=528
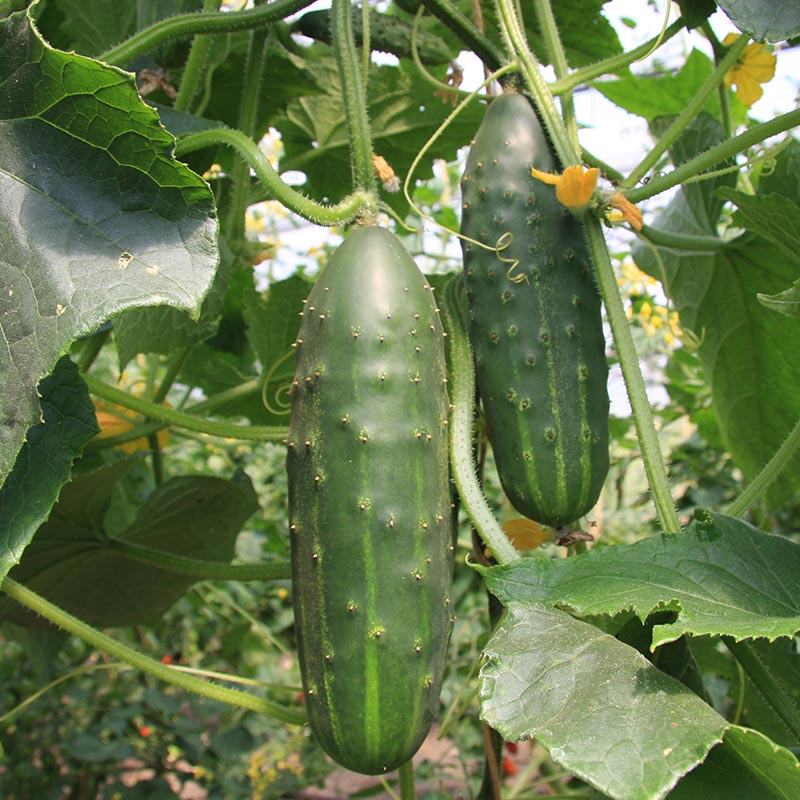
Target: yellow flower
x=113 y=419
x=574 y=186
x=755 y=66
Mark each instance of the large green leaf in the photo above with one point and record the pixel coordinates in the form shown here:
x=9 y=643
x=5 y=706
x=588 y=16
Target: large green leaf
x=745 y=766
x=44 y=464
x=72 y=562
x=764 y=19
x=721 y=576
x=748 y=352
x=95 y=215
x=603 y=711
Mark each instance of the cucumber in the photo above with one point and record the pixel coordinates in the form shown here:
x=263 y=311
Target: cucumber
x=535 y=321
x=370 y=505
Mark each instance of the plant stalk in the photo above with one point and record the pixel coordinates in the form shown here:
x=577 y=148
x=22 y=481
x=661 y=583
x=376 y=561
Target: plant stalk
x=772 y=469
x=201 y=569
x=339 y=214
x=354 y=96
x=57 y=616
x=180 y=419
x=463 y=382
x=182 y=26
x=714 y=155
x=682 y=121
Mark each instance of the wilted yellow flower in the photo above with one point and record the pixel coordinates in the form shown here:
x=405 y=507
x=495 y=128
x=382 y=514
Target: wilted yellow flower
x=574 y=186
x=113 y=419
x=755 y=66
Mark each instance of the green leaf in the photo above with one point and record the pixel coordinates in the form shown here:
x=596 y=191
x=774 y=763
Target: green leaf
x=772 y=216
x=774 y=20
x=96 y=216
x=44 y=463
x=602 y=710
x=72 y=563
x=93 y=27
x=721 y=576
x=745 y=766
x=748 y=352
x=165 y=330
x=786 y=302
x=664 y=96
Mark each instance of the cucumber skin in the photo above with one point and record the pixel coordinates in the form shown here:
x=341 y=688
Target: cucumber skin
x=370 y=521
x=538 y=343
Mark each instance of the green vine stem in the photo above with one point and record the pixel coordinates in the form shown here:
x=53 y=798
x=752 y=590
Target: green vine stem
x=612 y=64
x=180 y=419
x=694 y=167
x=215 y=401
x=405 y=776
x=682 y=121
x=247 y=123
x=517 y=45
x=558 y=58
x=449 y=15
x=183 y=26
x=769 y=685
x=57 y=616
x=354 y=97
x=634 y=381
x=203 y=570
x=463 y=382
x=341 y=213
x=680 y=241
x=196 y=65
x=768 y=474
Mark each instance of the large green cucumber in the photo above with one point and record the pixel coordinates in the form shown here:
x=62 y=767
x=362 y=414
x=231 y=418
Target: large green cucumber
x=535 y=321
x=370 y=505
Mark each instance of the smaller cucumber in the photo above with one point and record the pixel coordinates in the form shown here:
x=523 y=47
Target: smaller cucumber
x=535 y=321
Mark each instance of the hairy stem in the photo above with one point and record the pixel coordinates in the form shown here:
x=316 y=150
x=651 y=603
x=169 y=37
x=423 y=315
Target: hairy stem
x=714 y=155
x=339 y=214
x=695 y=106
x=203 y=570
x=196 y=65
x=773 y=468
x=552 y=39
x=95 y=638
x=247 y=123
x=612 y=64
x=180 y=419
x=463 y=379
x=183 y=26
x=769 y=685
x=517 y=45
x=634 y=381
x=449 y=14
x=354 y=96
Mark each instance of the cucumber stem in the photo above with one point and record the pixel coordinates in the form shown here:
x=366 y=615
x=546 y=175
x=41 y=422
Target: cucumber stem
x=183 y=26
x=57 y=616
x=354 y=96
x=341 y=213
x=772 y=469
x=634 y=382
x=259 y=433
x=695 y=106
x=203 y=570
x=463 y=381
